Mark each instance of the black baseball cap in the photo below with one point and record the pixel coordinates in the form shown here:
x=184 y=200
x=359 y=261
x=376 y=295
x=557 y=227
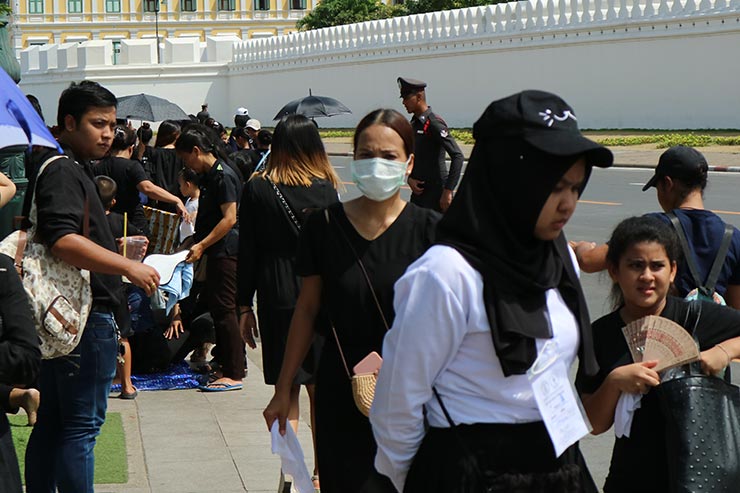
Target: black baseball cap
x=682 y=162
x=410 y=86
x=544 y=121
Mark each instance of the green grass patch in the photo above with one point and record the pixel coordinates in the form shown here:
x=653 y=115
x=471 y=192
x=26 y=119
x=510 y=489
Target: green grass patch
x=111 y=462
x=662 y=139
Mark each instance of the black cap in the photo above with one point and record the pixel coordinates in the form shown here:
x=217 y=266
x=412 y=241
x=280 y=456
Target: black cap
x=410 y=86
x=682 y=162
x=544 y=121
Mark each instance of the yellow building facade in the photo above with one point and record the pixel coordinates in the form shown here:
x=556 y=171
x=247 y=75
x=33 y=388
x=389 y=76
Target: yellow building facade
x=38 y=22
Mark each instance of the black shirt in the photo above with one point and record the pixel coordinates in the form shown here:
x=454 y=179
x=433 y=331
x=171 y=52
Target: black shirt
x=219 y=185
x=164 y=168
x=61 y=191
x=431 y=140
x=127 y=174
x=646 y=443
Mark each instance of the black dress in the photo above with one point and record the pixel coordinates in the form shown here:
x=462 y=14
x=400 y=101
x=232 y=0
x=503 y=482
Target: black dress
x=268 y=242
x=647 y=443
x=345 y=444
x=127 y=174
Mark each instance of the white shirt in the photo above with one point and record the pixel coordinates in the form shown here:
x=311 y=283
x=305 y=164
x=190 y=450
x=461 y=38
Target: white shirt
x=441 y=337
x=188 y=229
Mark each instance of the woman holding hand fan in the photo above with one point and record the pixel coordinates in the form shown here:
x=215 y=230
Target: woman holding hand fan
x=642 y=258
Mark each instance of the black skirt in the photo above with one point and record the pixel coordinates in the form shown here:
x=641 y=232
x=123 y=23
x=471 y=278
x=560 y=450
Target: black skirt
x=511 y=458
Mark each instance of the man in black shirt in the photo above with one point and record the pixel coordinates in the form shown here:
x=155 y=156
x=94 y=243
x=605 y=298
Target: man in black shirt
x=430 y=181
x=75 y=388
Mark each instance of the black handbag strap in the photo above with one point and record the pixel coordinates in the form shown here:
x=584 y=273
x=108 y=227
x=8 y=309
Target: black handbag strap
x=327 y=215
x=695 y=306
x=285 y=204
x=706 y=288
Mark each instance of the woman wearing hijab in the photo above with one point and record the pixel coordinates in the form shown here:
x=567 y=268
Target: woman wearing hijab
x=475 y=312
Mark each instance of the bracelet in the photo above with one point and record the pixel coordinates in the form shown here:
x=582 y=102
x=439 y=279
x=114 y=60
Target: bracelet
x=729 y=360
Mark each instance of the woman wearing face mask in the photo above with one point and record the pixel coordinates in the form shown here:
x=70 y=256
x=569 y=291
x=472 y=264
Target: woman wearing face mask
x=387 y=234
x=498 y=290
x=298 y=178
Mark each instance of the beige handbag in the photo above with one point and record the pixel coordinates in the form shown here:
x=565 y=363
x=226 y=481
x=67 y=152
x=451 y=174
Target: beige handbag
x=59 y=293
x=363 y=386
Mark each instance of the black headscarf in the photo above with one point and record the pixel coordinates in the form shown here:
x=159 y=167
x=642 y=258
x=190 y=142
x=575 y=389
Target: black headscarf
x=491 y=222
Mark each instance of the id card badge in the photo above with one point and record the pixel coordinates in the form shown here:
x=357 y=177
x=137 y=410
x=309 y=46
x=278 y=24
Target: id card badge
x=561 y=410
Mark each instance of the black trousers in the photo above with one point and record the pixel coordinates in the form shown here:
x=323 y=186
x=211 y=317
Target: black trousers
x=221 y=293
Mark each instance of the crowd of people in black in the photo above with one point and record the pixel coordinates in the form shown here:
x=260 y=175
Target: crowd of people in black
x=468 y=310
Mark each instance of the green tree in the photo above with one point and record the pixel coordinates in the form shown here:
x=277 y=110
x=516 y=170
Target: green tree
x=423 y=6
x=338 y=12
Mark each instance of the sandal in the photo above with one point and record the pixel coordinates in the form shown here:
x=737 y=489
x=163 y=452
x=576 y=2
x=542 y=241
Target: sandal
x=316 y=484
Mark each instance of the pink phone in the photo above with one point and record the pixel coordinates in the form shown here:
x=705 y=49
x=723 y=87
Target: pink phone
x=369 y=364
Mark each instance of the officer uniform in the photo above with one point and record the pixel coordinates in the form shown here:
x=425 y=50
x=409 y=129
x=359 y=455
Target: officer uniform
x=432 y=141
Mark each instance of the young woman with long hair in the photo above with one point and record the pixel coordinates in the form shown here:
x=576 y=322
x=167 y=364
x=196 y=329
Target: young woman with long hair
x=642 y=262
x=378 y=233
x=297 y=180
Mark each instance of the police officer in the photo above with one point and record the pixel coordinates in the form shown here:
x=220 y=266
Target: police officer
x=430 y=181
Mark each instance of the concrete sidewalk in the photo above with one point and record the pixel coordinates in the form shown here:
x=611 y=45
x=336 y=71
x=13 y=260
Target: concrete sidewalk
x=719 y=158
x=187 y=441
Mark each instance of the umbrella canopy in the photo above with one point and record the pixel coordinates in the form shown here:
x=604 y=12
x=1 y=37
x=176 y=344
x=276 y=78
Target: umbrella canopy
x=312 y=106
x=149 y=108
x=20 y=125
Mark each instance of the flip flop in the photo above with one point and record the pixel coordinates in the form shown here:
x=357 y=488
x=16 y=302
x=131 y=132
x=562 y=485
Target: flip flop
x=127 y=396
x=220 y=387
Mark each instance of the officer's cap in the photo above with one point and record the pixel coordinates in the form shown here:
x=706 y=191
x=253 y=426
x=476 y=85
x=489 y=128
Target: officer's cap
x=410 y=86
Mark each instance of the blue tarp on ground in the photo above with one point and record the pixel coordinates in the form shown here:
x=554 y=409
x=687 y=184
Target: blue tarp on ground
x=178 y=376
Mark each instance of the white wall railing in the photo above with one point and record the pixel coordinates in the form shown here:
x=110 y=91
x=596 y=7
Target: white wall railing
x=534 y=21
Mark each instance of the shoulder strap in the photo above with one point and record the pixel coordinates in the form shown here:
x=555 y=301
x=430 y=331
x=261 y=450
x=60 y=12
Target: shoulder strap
x=690 y=260
x=327 y=214
x=719 y=260
x=285 y=204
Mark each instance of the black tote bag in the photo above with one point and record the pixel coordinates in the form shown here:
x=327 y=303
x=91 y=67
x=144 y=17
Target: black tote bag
x=702 y=419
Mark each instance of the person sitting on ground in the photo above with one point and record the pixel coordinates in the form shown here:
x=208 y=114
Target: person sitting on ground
x=680 y=180
x=642 y=262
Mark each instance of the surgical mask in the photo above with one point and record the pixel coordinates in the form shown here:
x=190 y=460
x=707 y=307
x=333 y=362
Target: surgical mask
x=377 y=178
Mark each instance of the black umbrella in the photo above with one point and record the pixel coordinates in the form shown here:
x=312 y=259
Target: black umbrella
x=149 y=108
x=312 y=106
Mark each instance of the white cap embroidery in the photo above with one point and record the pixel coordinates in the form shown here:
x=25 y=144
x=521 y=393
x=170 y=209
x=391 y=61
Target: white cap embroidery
x=549 y=117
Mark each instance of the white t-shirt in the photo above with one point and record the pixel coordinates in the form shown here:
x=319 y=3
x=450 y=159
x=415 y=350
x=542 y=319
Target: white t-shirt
x=441 y=337
x=188 y=229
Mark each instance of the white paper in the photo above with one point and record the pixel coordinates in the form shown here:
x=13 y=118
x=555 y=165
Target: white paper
x=557 y=401
x=165 y=264
x=291 y=457
x=625 y=412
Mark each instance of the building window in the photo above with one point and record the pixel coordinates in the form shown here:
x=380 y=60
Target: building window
x=188 y=5
x=261 y=4
x=151 y=5
x=228 y=5
x=113 y=6
x=298 y=4
x=35 y=6
x=74 y=6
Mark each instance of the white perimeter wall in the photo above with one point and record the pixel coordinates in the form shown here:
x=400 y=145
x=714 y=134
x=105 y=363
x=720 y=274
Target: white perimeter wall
x=620 y=64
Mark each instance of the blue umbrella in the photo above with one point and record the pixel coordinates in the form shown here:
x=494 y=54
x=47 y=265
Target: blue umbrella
x=20 y=125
